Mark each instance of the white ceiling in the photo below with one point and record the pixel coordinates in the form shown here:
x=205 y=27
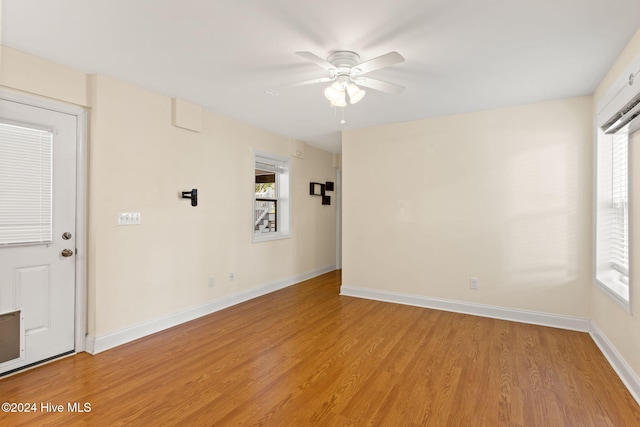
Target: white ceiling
x=461 y=55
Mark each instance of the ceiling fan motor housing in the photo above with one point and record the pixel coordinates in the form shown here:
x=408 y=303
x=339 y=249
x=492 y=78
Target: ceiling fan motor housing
x=345 y=62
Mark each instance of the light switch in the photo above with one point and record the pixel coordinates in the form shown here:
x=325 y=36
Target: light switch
x=129 y=218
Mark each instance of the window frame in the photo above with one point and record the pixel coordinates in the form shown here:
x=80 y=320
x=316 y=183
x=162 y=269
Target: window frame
x=283 y=197
x=617 y=116
x=604 y=268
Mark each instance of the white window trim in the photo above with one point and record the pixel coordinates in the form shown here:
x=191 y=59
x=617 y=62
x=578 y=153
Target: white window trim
x=284 y=200
x=613 y=288
x=616 y=99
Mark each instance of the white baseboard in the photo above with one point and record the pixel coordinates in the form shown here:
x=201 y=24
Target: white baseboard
x=617 y=362
x=523 y=316
x=96 y=345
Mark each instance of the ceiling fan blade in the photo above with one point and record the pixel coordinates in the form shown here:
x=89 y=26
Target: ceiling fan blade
x=309 y=82
x=316 y=60
x=380 y=62
x=379 y=85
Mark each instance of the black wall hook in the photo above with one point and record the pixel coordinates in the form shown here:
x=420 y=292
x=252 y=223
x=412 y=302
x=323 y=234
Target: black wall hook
x=193 y=195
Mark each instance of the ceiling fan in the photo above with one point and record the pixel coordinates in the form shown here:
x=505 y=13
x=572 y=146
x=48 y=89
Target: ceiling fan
x=347 y=74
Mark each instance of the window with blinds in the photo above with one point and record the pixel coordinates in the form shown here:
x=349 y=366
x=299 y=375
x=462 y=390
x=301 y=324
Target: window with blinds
x=26 y=158
x=612 y=212
x=618 y=119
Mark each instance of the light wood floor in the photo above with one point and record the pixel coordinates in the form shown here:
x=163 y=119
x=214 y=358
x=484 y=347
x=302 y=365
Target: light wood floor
x=307 y=356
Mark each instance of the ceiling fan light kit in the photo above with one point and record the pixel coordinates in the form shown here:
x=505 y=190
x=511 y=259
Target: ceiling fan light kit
x=335 y=92
x=345 y=70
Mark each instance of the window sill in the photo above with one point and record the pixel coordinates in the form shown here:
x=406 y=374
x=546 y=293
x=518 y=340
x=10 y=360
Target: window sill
x=268 y=237
x=618 y=298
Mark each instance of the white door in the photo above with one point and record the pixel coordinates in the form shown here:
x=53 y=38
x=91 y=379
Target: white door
x=37 y=242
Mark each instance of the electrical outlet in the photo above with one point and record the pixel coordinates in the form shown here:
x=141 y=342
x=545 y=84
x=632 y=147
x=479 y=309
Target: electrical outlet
x=211 y=281
x=474 y=283
x=232 y=277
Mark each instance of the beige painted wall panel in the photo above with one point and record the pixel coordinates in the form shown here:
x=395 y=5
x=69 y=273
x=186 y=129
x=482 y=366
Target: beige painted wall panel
x=500 y=195
x=187 y=115
x=139 y=162
x=31 y=74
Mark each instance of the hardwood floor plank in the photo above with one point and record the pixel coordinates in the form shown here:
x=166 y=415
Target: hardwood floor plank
x=306 y=356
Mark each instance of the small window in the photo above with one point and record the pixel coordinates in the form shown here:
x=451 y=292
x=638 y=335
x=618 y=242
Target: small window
x=270 y=198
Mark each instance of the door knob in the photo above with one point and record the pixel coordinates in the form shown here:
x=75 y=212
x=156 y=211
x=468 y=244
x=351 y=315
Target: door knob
x=66 y=252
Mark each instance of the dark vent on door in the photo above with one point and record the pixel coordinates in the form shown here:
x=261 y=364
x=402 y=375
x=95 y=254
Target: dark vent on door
x=39 y=362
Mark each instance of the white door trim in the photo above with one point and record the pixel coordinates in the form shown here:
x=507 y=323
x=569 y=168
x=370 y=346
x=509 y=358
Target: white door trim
x=81 y=199
x=339 y=218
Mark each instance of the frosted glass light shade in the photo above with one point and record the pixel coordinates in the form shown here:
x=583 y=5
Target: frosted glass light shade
x=341 y=101
x=333 y=92
x=355 y=93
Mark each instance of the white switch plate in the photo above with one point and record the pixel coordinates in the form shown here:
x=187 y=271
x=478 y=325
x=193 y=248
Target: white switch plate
x=129 y=218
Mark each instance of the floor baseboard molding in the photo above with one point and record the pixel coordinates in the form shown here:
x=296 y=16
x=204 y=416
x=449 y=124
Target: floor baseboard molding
x=514 y=315
x=99 y=344
x=617 y=362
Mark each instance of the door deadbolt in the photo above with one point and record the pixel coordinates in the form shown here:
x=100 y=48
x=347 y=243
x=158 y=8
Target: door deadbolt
x=66 y=253
x=66 y=235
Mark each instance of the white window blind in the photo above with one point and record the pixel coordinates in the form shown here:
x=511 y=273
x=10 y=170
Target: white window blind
x=270 y=165
x=25 y=184
x=620 y=204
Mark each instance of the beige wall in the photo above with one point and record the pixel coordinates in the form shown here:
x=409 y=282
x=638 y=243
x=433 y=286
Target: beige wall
x=621 y=328
x=31 y=74
x=138 y=162
x=503 y=196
